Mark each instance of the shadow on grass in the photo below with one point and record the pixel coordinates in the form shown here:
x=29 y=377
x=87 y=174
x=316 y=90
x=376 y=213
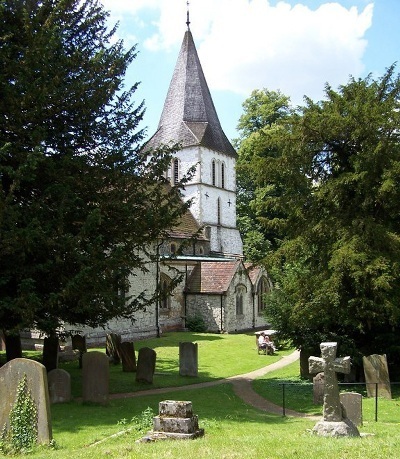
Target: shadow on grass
x=212 y=405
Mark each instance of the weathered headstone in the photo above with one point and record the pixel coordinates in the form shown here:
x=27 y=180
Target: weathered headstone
x=318 y=389
x=50 y=352
x=128 y=357
x=352 y=404
x=95 y=377
x=79 y=344
x=146 y=365
x=175 y=421
x=334 y=422
x=59 y=382
x=113 y=343
x=188 y=359
x=376 y=372
x=11 y=374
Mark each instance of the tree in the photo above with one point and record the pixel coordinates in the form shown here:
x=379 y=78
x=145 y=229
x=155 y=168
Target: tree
x=263 y=111
x=80 y=201
x=337 y=269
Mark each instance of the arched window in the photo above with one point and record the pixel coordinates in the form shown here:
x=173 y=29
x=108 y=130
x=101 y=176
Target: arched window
x=240 y=294
x=222 y=175
x=262 y=290
x=165 y=292
x=175 y=170
x=173 y=248
x=218 y=211
x=213 y=172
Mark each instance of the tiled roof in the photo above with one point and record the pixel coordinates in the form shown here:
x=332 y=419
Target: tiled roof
x=189 y=116
x=212 y=277
x=186 y=227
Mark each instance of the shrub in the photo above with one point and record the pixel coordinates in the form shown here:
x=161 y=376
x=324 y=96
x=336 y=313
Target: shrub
x=196 y=324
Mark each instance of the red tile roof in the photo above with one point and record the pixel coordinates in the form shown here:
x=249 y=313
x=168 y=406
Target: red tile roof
x=212 y=277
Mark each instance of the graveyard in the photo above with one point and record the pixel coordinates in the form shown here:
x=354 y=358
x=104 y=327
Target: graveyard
x=232 y=428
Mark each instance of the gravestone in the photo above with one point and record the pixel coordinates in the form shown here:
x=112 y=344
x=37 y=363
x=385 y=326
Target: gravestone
x=50 y=352
x=11 y=374
x=2 y=342
x=175 y=421
x=352 y=404
x=59 y=382
x=146 y=365
x=79 y=344
x=334 y=423
x=113 y=343
x=95 y=377
x=318 y=389
x=376 y=372
x=188 y=359
x=128 y=357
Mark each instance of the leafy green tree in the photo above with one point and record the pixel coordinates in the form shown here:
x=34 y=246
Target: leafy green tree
x=80 y=202
x=337 y=268
x=259 y=124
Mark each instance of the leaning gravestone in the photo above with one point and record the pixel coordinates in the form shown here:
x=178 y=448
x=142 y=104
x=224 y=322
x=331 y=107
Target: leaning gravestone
x=59 y=385
x=128 y=358
x=95 y=378
x=318 y=389
x=352 y=404
x=376 y=372
x=146 y=365
x=113 y=343
x=334 y=423
x=188 y=359
x=11 y=374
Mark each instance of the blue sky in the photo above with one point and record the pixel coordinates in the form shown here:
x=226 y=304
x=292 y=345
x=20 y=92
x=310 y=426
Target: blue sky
x=294 y=46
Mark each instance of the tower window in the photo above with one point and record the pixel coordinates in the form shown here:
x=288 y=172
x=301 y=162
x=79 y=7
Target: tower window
x=222 y=175
x=213 y=172
x=218 y=211
x=176 y=171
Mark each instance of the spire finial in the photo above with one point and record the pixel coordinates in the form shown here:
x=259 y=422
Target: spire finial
x=187 y=15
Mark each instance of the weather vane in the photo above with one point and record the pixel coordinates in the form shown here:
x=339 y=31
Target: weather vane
x=187 y=16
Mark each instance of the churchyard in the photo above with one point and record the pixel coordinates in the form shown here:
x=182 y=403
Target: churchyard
x=232 y=428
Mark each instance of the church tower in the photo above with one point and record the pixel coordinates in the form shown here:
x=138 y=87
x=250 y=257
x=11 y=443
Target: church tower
x=189 y=118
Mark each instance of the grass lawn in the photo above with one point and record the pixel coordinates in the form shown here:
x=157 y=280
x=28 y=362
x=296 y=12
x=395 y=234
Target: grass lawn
x=232 y=428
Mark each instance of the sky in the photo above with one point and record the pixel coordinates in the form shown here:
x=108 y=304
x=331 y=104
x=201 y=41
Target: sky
x=296 y=47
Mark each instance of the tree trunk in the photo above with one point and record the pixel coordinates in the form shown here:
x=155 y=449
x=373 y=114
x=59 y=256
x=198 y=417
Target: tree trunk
x=13 y=346
x=50 y=353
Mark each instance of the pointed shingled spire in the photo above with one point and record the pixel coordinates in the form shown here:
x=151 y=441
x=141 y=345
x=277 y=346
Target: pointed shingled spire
x=189 y=116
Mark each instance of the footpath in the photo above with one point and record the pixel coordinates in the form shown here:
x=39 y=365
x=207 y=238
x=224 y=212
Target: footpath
x=241 y=384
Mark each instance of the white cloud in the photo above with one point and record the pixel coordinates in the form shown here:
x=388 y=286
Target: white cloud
x=249 y=44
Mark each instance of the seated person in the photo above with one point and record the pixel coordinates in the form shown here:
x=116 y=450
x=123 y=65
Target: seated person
x=262 y=343
x=270 y=344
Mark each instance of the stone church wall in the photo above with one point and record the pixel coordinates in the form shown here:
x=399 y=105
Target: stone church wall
x=208 y=307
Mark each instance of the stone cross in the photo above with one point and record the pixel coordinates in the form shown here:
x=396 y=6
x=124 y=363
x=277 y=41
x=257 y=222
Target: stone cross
x=330 y=365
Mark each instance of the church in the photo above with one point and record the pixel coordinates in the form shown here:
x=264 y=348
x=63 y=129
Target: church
x=217 y=287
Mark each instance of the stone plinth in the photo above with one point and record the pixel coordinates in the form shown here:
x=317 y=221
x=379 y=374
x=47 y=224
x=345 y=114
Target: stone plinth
x=175 y=421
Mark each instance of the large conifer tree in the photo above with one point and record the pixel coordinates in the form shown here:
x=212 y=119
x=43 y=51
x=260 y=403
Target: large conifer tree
x=79 y=202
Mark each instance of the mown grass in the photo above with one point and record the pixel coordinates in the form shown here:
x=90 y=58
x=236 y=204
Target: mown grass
x=232 y=428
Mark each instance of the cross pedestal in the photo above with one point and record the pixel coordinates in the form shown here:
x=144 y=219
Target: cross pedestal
x=334 y=423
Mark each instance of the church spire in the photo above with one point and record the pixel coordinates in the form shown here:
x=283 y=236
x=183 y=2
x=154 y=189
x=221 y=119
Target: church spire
x=189 y=116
